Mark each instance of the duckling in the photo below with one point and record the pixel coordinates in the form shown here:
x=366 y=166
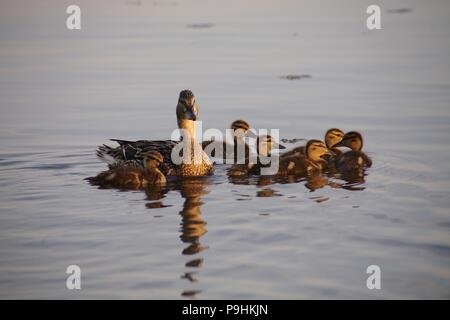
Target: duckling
x=125 y=174
x=194 y=162
x=354 y=158
x=306 y=164
x=332 y=137
x=230 y=151
x=265 y=144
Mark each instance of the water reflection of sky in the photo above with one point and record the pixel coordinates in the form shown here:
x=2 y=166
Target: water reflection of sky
x=62 y=93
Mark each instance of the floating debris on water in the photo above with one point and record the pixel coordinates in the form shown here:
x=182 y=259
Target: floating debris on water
x=200 y=25
x=294 y=140
x=296 y=76
x=400 y=10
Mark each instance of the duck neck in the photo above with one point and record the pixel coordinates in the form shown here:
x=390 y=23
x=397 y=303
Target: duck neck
x=193 y=152
x=189 y=130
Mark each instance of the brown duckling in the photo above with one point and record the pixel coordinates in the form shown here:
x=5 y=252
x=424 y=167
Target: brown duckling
x=127 y=175
x=230 y=151
x=332 y=137
x=305 y=164
x=354 y=158
x=264 y=146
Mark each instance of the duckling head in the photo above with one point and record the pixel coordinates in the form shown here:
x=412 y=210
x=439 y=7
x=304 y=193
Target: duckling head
x=316 y=150
x=187 y=108
x=265 y=144
x=352 y=140
x=333 y=136
x=240 y=128
x=152 y=160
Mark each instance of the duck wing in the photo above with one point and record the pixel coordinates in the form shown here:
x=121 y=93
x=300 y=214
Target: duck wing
x=131 y=153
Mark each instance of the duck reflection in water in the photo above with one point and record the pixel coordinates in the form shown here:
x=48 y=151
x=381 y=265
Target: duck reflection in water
x=352 y=180
x=192 y=226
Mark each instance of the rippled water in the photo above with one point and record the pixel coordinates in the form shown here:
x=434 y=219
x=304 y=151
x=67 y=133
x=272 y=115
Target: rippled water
x=300 y=66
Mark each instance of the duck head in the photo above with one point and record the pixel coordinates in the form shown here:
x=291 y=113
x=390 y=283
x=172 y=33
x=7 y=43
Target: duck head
x=352 y=140
x=333 y=136
x=187 y=108
x=316 y=150
x=152 y=160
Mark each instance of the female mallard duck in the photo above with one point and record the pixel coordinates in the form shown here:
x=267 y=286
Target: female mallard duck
x=234 y=152
x=332 y=137
x=181 y=158
x=125 y=174
x=354 y=158
x=309 y=163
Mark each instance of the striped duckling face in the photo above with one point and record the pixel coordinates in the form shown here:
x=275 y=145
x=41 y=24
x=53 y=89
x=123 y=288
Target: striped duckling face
x=316 y=150
x=152 y=160
x=240 y=128
x=352 y=140
x=187 y=108
x=333 y=136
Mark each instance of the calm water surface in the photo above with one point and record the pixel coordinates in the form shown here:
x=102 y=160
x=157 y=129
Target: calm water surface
x=300 y=66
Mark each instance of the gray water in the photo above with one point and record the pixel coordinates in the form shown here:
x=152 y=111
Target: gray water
x=64 y=92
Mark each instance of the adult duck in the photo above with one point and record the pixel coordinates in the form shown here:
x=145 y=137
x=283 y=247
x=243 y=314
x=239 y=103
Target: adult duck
x=180 y=158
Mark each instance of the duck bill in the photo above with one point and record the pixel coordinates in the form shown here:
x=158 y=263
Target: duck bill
x=328 y=154
x=251 y=134
x=276 y=145
x=190 y=115
x=340 y=144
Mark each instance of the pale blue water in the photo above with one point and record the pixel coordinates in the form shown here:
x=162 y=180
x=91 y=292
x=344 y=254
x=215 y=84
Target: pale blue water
x=63 y=92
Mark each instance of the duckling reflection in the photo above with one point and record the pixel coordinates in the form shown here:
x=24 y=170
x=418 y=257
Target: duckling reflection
x=315 y=182
x=192 y=226
x=155 y=194
x=267 y=193
x=312 y=182
x=354 y=179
